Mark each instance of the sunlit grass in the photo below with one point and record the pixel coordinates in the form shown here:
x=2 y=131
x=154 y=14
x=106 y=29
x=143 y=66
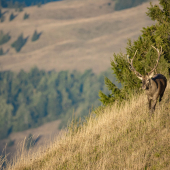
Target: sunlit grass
x=124 y=137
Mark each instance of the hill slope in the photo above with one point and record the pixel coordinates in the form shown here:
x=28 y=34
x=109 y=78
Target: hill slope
x=74 y=35
x=118 y=138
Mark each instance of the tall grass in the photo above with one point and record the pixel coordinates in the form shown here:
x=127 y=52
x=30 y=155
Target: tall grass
x=118 y=137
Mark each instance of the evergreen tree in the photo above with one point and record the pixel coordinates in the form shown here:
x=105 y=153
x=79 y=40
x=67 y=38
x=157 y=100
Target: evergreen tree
x=26 y=16
x=157 y=35
x=124 y=4
x=39 y=4
x=35 y=36
x=19 y=43
x=4 y=38
x=20 y=9
x=10 y=4
x=16 y=5
x=1 y=51
x=2 y=18
x=4 y=3
x=11 y=17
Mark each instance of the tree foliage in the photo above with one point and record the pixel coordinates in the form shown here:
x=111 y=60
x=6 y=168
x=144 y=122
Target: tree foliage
x=157 y=35
x=26 y=16
x=28 y=100
x=19 y=43
x=11 y=17
x=22 y=3
x=124 y=4
x=35 y=36
x=1 y=51
x=4 y=38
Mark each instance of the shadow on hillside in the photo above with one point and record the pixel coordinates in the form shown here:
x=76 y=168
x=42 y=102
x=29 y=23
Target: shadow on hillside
x=25 y=40
x=37 y=139
x=39 y=34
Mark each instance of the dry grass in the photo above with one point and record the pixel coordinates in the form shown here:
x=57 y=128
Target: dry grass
x=44 y=133
x=76 y=34
x=118 y=138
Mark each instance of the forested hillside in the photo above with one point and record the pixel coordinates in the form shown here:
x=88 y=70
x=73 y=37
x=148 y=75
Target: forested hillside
x=120 y=4
x=31 y=99
x=9 y=3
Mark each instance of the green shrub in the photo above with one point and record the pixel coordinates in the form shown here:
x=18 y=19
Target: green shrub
x=11 y=17
x=19 y=43
x=26 y=16
x=1 y=51
x=4 y=38
x=124 y=4
x=39 y=5
x=35 y=36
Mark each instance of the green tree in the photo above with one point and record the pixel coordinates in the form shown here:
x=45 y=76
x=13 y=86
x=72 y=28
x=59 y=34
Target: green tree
x=39 y=4
x=1 y=51
x=11 y=17
x=16 y=5
x=3 y=3
x=5 y=118
x=10 y=4
x=26 y=16
x=124 y=4
x=29 y=142
x=34 y=98
x=35 y=36
x=4 y=38
x=19 y=43
x=157 y=35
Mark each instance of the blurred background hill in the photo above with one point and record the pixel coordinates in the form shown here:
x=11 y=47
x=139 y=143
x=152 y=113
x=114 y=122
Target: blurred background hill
x=53 y=59
x=72 y=35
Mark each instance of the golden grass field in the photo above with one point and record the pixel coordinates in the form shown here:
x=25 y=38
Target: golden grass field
x=76 y=35
x=118 y=137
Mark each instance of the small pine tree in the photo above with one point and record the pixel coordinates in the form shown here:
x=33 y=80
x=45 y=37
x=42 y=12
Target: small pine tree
x=16 y=5
x=29 y=142
x=20 y=9
x=35 y=36
x=26 y=16
x=4 y=38
x=11 y=17
x=4 y=3
x=1 y=51
x=124 y=4
x=10 y=4
x=146 y=57
x=39 y=5
x=2 y=18
x=19 y=43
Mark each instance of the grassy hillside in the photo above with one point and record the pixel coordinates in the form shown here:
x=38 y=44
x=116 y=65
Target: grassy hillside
x=118 y=137
x=73 y=34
